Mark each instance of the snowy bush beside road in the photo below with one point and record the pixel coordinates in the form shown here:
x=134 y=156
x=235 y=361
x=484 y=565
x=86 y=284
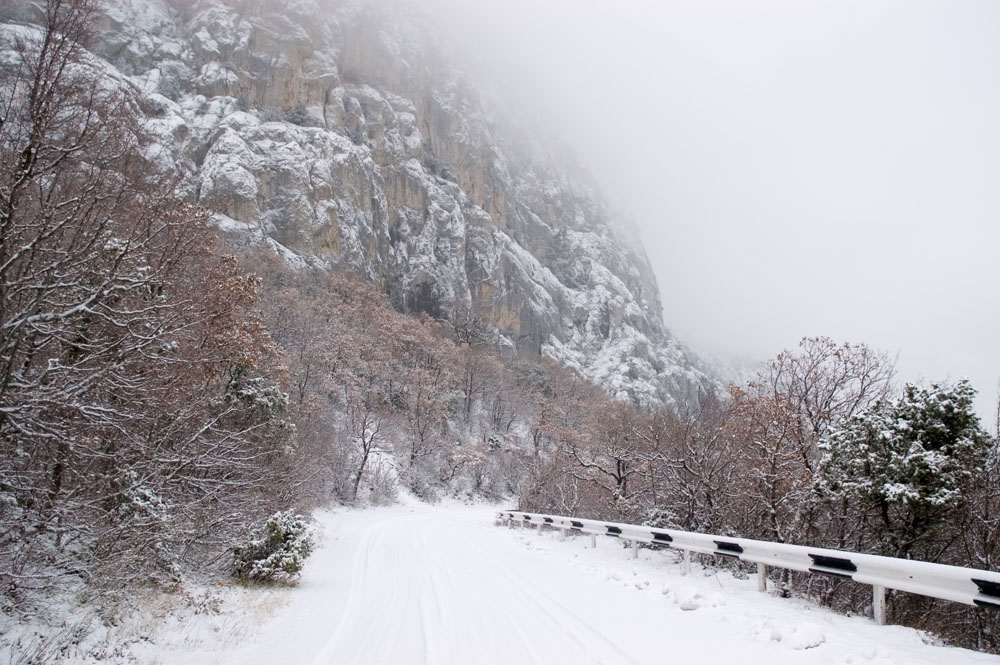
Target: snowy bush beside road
x=275 y=552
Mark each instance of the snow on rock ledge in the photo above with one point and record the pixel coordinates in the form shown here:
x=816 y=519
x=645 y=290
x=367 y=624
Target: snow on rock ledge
x=347 y=138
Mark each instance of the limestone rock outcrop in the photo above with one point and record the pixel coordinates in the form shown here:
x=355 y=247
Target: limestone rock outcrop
x=342 y=134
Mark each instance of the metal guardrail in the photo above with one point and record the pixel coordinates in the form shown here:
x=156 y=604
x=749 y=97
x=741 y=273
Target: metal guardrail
x=961 y=585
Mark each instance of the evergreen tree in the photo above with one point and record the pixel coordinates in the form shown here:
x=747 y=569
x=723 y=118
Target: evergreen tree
x=903 y=468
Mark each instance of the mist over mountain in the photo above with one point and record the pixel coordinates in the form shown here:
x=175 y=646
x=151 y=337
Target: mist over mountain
x=344 y=136
x=259 y=259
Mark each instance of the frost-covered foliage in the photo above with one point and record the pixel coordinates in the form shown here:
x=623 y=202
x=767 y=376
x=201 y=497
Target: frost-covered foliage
x=913 y=476
x=275 y=551
x=910 y=461
x=660 y=518
x=139 y=502
x=261 y=405
x=818 y=450
x=126 y=444
x=255 y=394
x=384 y=400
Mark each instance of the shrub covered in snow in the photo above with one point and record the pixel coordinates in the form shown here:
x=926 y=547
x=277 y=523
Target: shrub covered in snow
x=660 y=518
x=276 y=551
x=907 y=465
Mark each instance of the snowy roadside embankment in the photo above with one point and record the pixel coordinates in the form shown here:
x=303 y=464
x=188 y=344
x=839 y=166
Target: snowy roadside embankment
x=443 y=585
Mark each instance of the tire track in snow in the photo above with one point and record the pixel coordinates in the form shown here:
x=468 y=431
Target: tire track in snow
x=592 y=637
x=483 y=623
x=424 y=592
x=564 y=635
x=360 y=593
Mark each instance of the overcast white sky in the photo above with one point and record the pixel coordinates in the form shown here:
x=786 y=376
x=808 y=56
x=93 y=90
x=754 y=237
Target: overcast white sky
x=797 y=168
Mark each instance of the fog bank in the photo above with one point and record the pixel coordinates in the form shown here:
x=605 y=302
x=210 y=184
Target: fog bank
x=822 y=168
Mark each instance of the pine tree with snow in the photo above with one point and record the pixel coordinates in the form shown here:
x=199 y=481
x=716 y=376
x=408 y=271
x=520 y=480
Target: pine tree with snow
x=275 y=552
x=905 y=466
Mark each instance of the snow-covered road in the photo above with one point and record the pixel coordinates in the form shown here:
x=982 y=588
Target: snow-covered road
x=435 y=588
x=444 y=586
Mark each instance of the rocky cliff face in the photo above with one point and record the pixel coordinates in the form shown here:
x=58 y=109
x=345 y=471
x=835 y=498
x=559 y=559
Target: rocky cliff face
x=342 y=135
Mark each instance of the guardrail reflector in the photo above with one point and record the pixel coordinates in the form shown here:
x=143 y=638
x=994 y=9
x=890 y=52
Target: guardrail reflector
x=727 y=548
x=832 y=565
x=989 y=594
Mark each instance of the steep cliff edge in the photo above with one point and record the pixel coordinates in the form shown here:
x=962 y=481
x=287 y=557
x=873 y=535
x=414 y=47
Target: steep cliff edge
x=342 y=134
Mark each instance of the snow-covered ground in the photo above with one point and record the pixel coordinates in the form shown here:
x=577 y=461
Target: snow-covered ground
x=444 y=586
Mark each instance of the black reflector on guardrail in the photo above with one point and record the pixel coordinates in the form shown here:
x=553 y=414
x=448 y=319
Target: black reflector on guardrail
x=832 y=565
x=881 y=573
x=988 y=588
x=727 y=548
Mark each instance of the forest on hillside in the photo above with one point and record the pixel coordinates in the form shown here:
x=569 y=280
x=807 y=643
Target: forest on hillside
x=163 y=391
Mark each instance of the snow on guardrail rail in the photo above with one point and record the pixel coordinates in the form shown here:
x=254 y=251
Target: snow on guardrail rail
x=961 y=585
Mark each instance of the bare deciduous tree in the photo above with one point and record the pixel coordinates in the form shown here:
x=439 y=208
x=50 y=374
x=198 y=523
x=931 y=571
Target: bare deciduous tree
x=130 y=406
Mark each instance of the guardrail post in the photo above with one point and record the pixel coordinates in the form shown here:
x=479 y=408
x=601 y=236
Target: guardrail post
x=881 y=573
x=635 y=548
x=878 y=604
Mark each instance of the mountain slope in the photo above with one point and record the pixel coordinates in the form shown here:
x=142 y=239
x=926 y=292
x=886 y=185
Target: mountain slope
x=342 y=135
